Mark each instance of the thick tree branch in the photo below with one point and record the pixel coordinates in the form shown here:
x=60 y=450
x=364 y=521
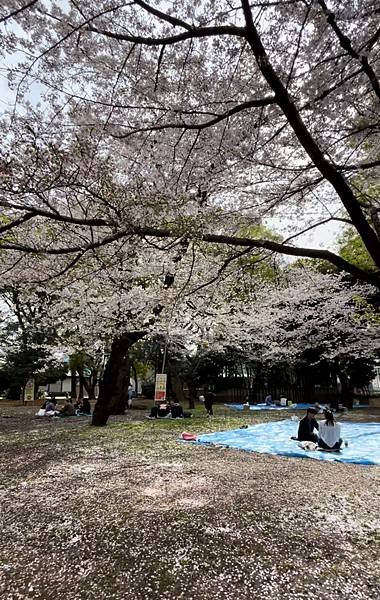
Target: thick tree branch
x=163 y=16
x=199 y=32
x=346 y=44
x=327 y=169
x=33 y=211
x=372 y=278
x=18 y=11
x=15 y=223
x=198 y=126
x=360 y=166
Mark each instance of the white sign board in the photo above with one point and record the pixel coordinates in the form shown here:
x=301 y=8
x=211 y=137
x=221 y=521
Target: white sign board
x=29 y=391
x=160 y=390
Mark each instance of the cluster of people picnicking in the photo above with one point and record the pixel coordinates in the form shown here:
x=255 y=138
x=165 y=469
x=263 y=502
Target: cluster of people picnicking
x=168 y=410
x=49 y=408
x=324 y=434
x=173 y=409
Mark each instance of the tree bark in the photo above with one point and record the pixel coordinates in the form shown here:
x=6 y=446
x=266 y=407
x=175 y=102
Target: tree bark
x=192 y=393
x=81 y=386
x=177 y=384
x=347 y=395
x=112 y=382
x=73 y=391
x=325 y=167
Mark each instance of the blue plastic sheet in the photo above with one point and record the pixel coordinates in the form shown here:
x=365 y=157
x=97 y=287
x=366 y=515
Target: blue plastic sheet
x=274 y=438
x=299 y=406
x=269 y=407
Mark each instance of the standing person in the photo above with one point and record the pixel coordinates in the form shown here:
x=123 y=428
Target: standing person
x=131 y=395
x=329 y=433
x=306 y=427
x=209 y=401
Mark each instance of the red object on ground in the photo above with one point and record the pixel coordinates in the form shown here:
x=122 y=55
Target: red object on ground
x=188 y=437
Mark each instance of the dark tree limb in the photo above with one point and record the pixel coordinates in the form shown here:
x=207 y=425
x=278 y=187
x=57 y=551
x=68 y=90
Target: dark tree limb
x=346 y=44
x=199 y=126
x=278 y=247
x=199 y=32
x=326 y=168
x=18 y=11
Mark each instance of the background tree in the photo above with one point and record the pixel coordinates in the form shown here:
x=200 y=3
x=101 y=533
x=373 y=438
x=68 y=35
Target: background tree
x=25 y=344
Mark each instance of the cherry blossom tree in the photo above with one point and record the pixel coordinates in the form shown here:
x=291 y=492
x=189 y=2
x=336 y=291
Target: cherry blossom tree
x=307 y=314
x=165 y=132
x=189 y=120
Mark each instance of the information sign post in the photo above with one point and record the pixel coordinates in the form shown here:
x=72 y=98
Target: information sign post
x=160 y=390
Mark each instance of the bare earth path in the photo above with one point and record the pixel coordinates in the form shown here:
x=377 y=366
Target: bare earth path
x=128 y=513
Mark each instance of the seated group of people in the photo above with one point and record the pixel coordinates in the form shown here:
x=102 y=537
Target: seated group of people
x=167 y=410
x=328 y=436
x=69 y=409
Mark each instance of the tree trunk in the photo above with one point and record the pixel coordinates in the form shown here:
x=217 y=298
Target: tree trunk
x=73 y=388
x=177 y=384
x=91 y=388
x=112 y=382
x=192 y=393
x=121 y=387
x=347 y=396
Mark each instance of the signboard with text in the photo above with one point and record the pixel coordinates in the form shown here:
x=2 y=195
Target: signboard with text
x=29 y=391
x=160 y=390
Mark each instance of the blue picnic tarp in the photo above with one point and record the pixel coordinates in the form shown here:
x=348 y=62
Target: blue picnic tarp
x=274 y=438
x=299 y=406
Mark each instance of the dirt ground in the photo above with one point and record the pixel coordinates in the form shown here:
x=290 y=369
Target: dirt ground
x=126 y=512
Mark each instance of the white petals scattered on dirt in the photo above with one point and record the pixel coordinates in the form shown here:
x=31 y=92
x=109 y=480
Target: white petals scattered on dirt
x=127 y=513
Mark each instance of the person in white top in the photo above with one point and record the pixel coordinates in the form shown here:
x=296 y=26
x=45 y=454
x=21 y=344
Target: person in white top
x=329 y=433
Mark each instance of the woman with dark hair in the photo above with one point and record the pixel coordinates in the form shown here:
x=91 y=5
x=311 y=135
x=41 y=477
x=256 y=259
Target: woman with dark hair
x=329 y=433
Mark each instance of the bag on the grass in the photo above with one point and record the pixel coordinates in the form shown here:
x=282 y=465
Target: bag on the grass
x=306 y=445
x=41 y=412
x=188 y=437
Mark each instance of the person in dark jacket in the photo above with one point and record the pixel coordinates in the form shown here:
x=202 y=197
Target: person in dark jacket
x=177 y=411
x=67 y=410
x=209 y=401
x=82 y=406
x=306 y=427
x=160 y=411
x=86 y=406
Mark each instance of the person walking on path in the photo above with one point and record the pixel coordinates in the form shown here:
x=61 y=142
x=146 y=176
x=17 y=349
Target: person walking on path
x=131 y=395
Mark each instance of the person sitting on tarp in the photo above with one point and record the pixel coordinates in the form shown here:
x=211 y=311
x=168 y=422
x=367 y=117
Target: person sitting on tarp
x=86 y=406
x=67 y=410
x=329 y=432
x=268 y=400
x=48 y=409
x=176 y=411
x=82 y=406
x=306 y=427
x=160 y=411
